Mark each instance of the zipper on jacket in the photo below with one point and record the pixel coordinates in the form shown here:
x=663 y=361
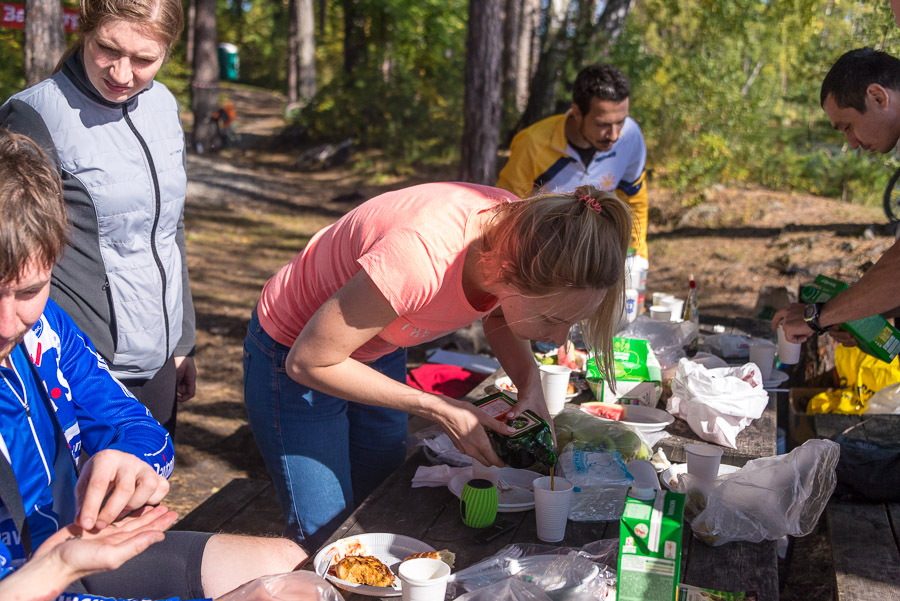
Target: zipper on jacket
x=113 y=322
x=157 y=196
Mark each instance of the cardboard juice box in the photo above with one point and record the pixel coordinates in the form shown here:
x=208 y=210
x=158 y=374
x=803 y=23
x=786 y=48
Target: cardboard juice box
x=650 y=547
x=874 y=334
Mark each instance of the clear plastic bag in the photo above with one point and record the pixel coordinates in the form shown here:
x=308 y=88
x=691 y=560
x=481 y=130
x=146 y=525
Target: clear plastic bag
x=667 y=338
x=301 y=585
x=557 y=573
x=573 y=424
x=770 y=497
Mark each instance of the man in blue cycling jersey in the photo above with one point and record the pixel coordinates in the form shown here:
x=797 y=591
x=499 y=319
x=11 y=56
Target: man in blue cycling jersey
x=83 y=466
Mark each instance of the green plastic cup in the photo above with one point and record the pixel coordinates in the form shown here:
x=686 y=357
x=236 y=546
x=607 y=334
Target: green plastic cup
x=478 y=503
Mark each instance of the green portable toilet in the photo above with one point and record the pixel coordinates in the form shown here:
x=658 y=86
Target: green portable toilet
x=229 y=63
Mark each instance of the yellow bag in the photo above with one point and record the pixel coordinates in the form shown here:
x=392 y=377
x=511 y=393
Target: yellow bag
x=861 y=376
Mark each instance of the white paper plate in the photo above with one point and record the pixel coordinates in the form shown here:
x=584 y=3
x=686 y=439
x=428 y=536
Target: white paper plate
x=646 y=419
x=776 y=379
x=669 y=477
x=505 y=382
x=388 y=548
x=520 y=495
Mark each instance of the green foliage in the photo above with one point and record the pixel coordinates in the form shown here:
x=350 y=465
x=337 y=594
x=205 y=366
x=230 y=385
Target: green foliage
x=12 y=72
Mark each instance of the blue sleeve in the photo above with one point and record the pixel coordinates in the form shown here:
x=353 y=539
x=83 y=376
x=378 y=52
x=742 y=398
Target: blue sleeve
x=109 y=417
x=86 y=597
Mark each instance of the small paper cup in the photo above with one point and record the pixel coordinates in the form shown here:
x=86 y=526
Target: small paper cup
x=762 y=352
x=660 y=313
x=676 y=307
x=703 y=461
x=554 y=383
x=788 y=352
x=551 y=507
x=423 y=579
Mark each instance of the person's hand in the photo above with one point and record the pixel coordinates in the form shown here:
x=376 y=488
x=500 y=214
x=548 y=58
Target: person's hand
x=113 y=484
x=185 y=378
x=464 y=423
x=842 y=337
x=533 y=398
x=80 y=552
x=791 y=319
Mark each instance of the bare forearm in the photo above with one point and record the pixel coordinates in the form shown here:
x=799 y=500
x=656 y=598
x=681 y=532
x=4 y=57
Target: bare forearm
x=40 y=579
x=875 y=293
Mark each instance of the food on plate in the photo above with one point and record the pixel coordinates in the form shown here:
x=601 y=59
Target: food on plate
x=507 y=387
x=571 y=389
x=612 y=411
x=345 y=548
x=570 y=357
x=365 y=569
x=448 y=557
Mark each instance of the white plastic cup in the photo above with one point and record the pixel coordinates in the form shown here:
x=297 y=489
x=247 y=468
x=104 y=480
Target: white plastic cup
x=660 y=298
x=554 y=383
x=490 y=473
x=762 y=352
x=676 y=307
x=660 y=313
x=703 y=461
x=788 y=352
x=551 y=507
x=423 y=579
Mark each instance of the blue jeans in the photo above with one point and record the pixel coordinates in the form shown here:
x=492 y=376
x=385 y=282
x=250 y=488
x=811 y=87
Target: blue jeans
x=325 y=454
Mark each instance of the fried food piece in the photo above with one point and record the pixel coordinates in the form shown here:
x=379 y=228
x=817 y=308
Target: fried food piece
x=364 y=570
x=448 y=557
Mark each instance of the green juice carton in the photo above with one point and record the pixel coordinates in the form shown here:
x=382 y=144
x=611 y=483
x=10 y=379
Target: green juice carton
x=874 y=335
x=635 y=364
x=650 y=545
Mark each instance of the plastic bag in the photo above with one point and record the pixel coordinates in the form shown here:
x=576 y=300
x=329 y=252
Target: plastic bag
x=301 y=585
x=885 y=401
x=557 y=573
x=728 y=346
x=438 y=447
x=861 y=376
x=717 y=403
x=770 y=497
x=572 y=424
x=668 y=338
x=601 y=482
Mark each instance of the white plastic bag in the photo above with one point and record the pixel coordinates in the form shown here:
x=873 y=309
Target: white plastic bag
x=667 y=338
x=301 y=585
x=770 y=497
x=717 y=403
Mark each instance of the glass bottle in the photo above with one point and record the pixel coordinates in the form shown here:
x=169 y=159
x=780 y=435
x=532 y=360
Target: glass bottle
x=692 y=314
x=532 y=441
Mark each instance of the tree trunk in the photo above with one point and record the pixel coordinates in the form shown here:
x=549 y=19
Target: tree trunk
x=306 y=34
x=481 y=129
x=542 y=88
x=205 y=82
x=529 y=46
x=293 y=53
x=612 y=21
x=354 y=35
x=512 y=30
x=191 y=24
x=44 y=39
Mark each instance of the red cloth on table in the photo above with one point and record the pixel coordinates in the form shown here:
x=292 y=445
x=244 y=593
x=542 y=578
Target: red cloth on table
x=448 y=380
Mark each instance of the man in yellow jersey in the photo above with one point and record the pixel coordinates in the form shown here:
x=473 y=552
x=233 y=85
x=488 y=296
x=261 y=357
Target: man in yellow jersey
x=595 y=143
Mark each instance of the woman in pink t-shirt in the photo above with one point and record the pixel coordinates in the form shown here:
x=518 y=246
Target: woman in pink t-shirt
x=325 y=360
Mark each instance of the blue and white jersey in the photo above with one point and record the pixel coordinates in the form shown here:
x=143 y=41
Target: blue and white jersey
x=95 y=411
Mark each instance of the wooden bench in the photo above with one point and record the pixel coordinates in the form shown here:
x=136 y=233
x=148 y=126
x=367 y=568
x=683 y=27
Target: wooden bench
x=864 y=537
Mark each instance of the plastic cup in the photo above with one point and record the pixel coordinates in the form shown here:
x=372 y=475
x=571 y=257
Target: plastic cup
x=788 y=352
x=423 y=579
x=660 y=313
x=676 y=307
x=554 y=383
x=551 y=507
x=703 y=461
x=660 y=298
x=762 y=352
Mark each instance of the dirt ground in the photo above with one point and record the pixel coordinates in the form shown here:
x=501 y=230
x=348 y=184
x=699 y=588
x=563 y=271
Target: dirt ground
x=249 y=211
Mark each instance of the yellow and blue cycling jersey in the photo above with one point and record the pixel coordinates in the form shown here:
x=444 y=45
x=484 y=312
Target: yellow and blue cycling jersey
x=542 y=158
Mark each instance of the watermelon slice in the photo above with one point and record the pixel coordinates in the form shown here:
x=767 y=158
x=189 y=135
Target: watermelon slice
x=611 y=411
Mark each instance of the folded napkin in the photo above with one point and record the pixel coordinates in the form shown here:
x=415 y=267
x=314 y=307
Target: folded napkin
x=436 y=475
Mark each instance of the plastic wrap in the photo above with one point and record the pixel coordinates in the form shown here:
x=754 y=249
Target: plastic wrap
x=301 y=585
x=768 y=498
x=667 y=338
x=576 y=425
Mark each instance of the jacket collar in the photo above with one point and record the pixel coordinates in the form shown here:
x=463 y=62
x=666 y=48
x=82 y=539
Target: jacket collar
x=558 y=140
x=73 y=68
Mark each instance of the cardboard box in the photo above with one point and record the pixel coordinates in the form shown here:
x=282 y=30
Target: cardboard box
x=874 y=334
x=800 y=424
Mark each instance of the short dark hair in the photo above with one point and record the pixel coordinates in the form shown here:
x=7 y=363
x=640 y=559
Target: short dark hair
x=854 y=72
x=33 y=219
x=601 y=81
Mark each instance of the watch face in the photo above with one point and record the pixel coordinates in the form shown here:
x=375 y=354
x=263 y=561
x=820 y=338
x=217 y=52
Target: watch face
x=809 y=312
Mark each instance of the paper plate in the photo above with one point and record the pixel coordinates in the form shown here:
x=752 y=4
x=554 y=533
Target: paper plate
x=643 y=418
x=518 y=497
x=388 y=548
x=776 y=379
x=509 y=389
x=669 y=478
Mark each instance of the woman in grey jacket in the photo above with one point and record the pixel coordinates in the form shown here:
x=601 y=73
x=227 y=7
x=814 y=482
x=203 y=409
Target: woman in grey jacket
x=116 y=137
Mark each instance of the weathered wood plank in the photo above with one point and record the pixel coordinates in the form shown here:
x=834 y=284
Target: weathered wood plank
x=759 y=439
x=739 y=566
x=866 y=560
x=214 y=513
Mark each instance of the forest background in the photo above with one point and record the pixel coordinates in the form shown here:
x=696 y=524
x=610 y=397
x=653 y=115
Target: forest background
x=725 y=91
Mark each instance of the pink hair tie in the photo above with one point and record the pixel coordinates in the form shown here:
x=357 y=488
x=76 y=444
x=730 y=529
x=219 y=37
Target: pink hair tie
x=590 y=201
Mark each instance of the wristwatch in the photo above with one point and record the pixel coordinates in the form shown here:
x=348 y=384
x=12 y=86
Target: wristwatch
x=811 y=314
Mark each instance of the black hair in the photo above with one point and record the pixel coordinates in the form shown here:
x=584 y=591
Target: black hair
x=601 y=81
x=854 y=72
